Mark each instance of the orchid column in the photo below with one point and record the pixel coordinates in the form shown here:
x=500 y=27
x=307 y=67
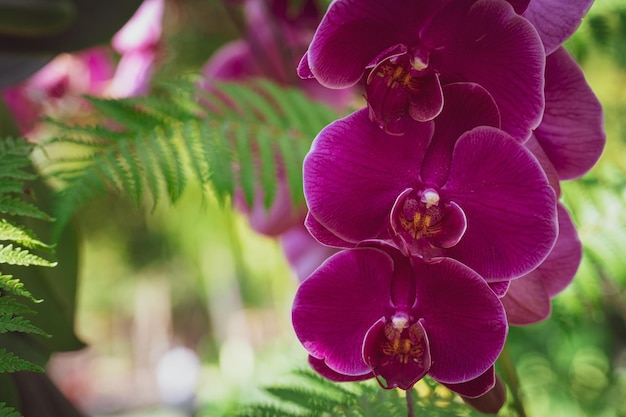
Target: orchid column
x=443 y=192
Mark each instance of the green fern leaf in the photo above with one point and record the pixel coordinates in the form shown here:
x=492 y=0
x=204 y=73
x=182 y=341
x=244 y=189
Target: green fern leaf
x=17 y=256
x=20 y=235
x=15 y=151
x=246 y=161
x=124 y=112
x=267 y=164
x=10 y=323
x=9 y=305
x=266 y=410
x=219 y=155
x=8 y=411
x=17 y=207
x=307 y=398
x=12 y=363
x=11 y=185
x=149 y=167
x=13 y=286
x=246 y=137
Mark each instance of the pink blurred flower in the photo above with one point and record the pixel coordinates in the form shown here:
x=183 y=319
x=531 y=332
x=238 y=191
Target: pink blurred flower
x=56 y=90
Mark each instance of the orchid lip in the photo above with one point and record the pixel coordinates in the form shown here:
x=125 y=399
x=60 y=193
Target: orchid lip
x=424 y=225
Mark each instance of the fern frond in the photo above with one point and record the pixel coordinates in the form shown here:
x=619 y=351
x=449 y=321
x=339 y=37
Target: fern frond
x=11 y=323
x=17 y=256
x=124 y=112
x=8 y=411
x=12 y=363
x=307 y=398
x=266 y=410
x=20 y=235
x=13 y=286
x=311 y=395
x=15 y=206
x=11 y=186
x=9 y=305
x=246 y=138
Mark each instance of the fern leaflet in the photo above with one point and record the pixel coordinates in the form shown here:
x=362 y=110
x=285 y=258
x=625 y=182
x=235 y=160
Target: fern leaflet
x=11 y=363
x=20 y=235
x=17 y=256
x=8 y=411
x=241 y=137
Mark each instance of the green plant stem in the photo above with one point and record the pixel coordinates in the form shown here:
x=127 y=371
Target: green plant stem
x=510 y=374
x=410 y=406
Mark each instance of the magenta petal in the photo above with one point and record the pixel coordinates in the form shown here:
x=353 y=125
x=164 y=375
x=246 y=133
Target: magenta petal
x=413 y=95
x=232 y=61
x=303 y=69
x=303 y=252
x=502 y=52
x=572 y=130
x=556 y=20
x=468 y=105
x=519 y=5
x=355 y=171
x=509 y=205
x=323 y=235
x=533 y=145
x=500 y=287
x=394 y=372
x=561 y=265
x=429 y=103
x=527 y=300
x=321 y=368
x=464 y=320
x=477 y=386
x=335 y=307
x=490 y=402
x=354 y=32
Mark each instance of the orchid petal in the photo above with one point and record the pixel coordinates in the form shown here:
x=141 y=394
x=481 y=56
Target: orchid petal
x=519 y=5
x=501 y=51
x=572 y=130
x=528 y=298
x=323 y=235
x=477 y=386
x=492 y=401
x=355 y=171
x=464 y=320
x=396 y=372
x=303 y=252
x=321 y=368
x=509 y=205
x=468 y=105
x=533 y=145
x=556 y=20
x=334 y=308
x=352 y=33
x=527 y=301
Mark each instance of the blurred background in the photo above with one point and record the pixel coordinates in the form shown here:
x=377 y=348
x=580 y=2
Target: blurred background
x=185 y=310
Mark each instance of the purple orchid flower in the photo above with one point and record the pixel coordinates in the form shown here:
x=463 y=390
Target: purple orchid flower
x=571 y=132
x=555 y=20
x=527 y=300
x=272 y=47
x=303 y=252
x=454 y=187
x=370 y=311
x=408 y=49
x=138 y=43
x=56 y=89
x=274 y=43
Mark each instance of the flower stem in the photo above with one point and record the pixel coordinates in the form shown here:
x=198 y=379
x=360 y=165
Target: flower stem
x=510 y=374
x=410 y=406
